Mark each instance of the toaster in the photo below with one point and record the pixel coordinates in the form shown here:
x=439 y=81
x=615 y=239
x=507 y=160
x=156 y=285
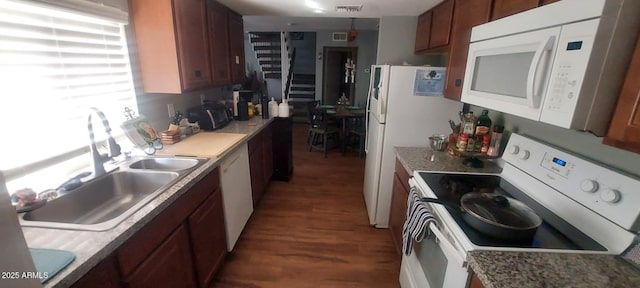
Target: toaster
x=210 y=116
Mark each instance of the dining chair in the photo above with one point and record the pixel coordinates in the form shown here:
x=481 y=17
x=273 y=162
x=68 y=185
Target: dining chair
x=310 y=106
x=357 y=134
x=321 y=131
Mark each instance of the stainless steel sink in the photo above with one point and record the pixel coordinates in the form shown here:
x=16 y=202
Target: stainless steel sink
x=104 y=202
x=165 y=164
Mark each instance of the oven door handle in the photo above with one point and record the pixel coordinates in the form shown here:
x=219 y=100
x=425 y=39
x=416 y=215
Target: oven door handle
x=447 y=247
x=449 y=250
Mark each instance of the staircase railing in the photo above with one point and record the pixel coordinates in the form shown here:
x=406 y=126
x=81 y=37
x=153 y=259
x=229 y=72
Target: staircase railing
x=287 y=88
x=285 y=59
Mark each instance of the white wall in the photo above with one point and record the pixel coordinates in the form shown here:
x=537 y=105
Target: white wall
x=367 y=49
x=581 y=143
x=396 y=43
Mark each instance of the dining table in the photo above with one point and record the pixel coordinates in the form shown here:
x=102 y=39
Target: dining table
x=344 y=113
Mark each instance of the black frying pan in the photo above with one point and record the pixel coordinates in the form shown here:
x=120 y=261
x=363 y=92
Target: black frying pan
x=495 y=215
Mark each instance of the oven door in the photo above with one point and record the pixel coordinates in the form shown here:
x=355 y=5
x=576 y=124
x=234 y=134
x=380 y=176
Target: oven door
x=511 y=73
x=434 y=262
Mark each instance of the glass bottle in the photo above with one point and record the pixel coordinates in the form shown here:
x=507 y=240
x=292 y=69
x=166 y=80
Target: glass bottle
x=468 y=126
x=483 y=124
x=496 y=139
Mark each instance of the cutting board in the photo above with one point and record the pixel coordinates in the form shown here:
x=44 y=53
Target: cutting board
x=203 y=144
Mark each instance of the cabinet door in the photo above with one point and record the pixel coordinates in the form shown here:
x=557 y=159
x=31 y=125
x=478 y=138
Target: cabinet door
x=624 y=131
x=267 y=155
x=398 y=212
x=475 y=282
x=545 y=2
x=423 y=31
x=206 y=227
x=504 y=8
x=170 y=265
x=193 y=45
x=466 y=14
x=219 y=43
x=256 y=163
x=104 y=275
x=441 y=24
x=236 y=48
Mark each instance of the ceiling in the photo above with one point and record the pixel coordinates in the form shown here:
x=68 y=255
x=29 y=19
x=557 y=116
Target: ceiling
x=321 y=15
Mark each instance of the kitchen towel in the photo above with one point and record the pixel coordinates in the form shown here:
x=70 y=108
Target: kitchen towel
x=417 y=222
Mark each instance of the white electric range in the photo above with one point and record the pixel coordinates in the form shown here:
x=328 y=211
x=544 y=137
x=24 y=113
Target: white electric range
x=586 y=208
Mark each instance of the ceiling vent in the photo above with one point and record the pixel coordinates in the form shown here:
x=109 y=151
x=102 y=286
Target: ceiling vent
x=348 y=8
x=339 y=36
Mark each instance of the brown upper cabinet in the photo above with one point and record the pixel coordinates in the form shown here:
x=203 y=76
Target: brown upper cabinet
x=434 y=27
x=504 y=8
x=624 y=131
x=184 y=45
x=423 y=31
x=466 y=14
x=236 y=48
x=173 y=50
x=545 y=2
x=219 y=39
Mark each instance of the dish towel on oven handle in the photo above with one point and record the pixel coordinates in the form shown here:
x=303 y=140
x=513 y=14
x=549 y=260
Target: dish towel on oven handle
x=416 y=225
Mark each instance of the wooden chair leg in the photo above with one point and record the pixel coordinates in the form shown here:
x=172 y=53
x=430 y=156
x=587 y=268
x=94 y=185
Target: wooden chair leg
x=324 y=144
x=313 y=137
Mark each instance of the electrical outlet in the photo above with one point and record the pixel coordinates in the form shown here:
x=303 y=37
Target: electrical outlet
x=171 y=109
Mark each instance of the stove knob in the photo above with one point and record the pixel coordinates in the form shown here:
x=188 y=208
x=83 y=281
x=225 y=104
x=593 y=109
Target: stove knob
x=589 y=186
x=514 y=149
x=524 y=154
x=610 y=196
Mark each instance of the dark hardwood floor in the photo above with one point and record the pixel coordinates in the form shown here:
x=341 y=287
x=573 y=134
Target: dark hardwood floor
x=313 y=231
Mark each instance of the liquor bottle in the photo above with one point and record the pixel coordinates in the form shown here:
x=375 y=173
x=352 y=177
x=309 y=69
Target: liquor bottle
x=483 y=124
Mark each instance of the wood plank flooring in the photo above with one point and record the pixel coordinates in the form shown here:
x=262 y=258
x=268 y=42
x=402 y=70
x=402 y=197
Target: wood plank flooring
x=313 y=231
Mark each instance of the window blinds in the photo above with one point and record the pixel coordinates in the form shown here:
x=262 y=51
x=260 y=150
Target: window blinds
x=54 y=66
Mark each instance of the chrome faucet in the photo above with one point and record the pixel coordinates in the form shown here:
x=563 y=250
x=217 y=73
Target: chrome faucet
x=97 y=160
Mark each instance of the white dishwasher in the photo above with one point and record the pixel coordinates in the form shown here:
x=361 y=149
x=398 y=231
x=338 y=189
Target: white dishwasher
x=236 y=193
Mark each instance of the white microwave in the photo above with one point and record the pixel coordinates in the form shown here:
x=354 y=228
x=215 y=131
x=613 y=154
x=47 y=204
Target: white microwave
x=561 y=64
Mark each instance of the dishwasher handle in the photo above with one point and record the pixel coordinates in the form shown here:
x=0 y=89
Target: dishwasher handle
x=230 y=161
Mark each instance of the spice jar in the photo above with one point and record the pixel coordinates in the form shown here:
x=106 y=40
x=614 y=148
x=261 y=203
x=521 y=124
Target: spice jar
x=462 y=142
x=496 y=139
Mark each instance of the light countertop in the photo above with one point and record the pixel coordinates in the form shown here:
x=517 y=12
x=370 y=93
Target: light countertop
x=92 y=247
x=419 y=158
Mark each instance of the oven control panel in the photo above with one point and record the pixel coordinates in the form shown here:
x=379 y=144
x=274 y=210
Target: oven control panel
x=607 y=192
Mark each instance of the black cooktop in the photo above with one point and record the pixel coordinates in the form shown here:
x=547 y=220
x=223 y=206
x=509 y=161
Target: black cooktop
x=554 y=233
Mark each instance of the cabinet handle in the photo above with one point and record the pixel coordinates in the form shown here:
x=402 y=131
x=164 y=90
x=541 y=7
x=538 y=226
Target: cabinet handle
x=198 y=73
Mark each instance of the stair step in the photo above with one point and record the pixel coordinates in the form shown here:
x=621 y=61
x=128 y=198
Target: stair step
x=270 y=62
x=266 y=48
x=273 y=75
x=271 y=69
x=304 y=80
x=268 y=55
x=265 y=39
x=302 y=88
x=302 y=96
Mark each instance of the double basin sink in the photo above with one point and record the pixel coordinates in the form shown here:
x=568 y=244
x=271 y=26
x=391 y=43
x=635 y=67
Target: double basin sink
x=102 y=203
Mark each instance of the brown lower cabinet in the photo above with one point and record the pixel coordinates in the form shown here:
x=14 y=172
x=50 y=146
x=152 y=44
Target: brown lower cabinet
x=475 y=282
x=170 y=265
x=183 y=246
x=398 y=205
x=261 y=162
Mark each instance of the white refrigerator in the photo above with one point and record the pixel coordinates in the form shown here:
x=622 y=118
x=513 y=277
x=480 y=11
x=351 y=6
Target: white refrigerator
x=405 y=106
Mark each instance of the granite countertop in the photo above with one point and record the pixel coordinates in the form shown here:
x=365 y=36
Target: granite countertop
x=419 y=158
x=497 y=269
x=92 y=247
